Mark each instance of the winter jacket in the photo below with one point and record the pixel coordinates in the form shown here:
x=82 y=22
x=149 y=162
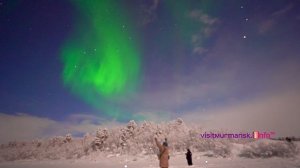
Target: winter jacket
x=163 y=155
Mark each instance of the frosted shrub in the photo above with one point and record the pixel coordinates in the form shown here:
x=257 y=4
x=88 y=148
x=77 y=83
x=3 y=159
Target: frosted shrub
x=222 y=148
x=36 y=143
x=68 y=138
x=137 y=139
x=268 y=148
x=101 y=137
x=12 y=144
x=56 y=141
x=131 y=125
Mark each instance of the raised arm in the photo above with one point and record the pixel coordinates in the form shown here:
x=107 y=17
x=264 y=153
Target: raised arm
x=158 y=144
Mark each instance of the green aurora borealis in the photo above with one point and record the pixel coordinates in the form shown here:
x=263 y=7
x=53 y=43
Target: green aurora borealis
x=70 y=66
x=101 y=61
x=102 y=57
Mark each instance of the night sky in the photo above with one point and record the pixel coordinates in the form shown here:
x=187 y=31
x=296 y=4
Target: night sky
x=95 y=62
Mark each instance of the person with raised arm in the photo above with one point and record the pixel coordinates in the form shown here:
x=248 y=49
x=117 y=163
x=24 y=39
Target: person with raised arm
x=163 y=155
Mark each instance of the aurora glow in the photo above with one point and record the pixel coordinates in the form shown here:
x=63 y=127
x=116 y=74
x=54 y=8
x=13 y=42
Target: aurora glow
x=101 y=61
x=81 y=64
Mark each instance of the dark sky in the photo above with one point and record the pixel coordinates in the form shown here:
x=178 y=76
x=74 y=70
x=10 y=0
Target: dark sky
x=197 y=58
x=32 y=34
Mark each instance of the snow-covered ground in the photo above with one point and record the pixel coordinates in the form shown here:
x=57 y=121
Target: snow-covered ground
x=132 y=146
x=177 y=161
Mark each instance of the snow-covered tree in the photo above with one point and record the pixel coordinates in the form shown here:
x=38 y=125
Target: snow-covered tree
x=137 y=139
x=68 y=137
x=101 y=137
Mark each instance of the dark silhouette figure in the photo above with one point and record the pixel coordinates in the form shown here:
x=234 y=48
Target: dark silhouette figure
x=189 y=157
